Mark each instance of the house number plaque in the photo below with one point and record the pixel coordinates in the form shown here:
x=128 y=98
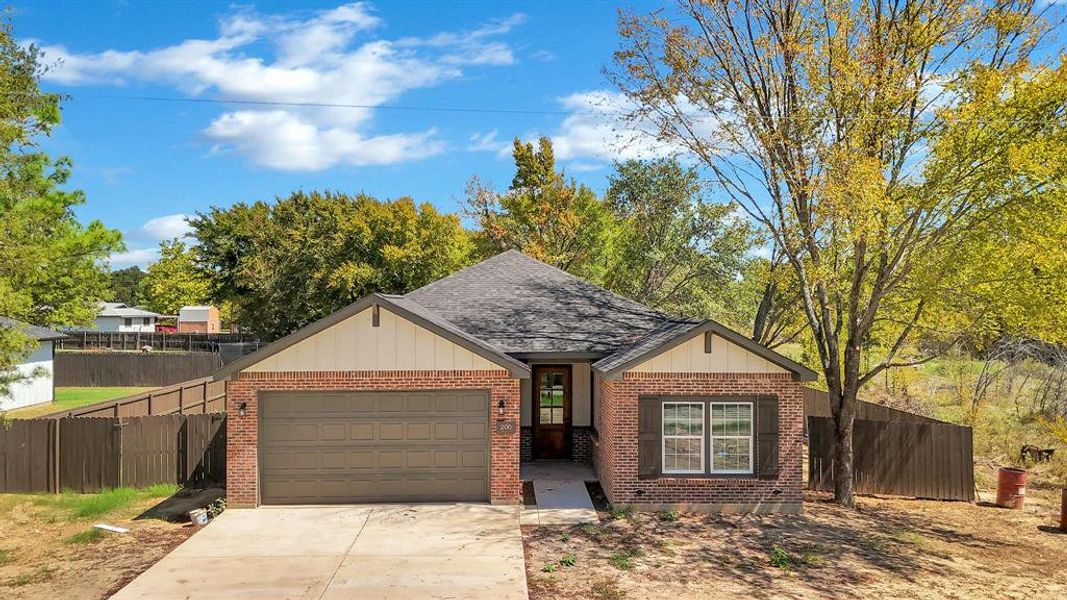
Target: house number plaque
x=505 y=426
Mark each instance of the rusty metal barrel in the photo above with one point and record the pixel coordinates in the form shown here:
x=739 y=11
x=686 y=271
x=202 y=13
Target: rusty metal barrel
x=1011 y=487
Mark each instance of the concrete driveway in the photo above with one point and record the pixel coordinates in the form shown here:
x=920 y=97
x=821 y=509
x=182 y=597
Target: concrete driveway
x=468 y=551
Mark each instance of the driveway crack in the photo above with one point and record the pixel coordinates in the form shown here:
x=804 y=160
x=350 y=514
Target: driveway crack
x=345 y=555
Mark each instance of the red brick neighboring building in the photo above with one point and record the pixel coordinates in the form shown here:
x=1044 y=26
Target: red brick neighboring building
x=438 y=395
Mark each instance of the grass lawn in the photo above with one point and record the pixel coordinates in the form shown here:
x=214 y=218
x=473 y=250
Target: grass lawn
x=50 y=549
x=74 y=397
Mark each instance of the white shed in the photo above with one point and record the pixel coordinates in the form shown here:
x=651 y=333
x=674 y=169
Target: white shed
x=38 y=367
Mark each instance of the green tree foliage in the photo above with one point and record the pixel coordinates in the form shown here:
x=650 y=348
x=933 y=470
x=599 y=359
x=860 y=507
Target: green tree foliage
x=125 y=285
x=52 y=268
x=173 y=281
x=543 y=214
x=310 y=254
x=674 y=250
x=818 y=119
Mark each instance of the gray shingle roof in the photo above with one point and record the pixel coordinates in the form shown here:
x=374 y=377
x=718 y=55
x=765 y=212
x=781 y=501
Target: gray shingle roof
x=657 y=337
x=41 y=334
x=118 y=309
x=521 y=305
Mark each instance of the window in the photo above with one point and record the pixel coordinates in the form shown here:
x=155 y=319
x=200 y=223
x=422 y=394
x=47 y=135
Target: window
x=731 y=437
x=683 y=437
x=127 y=321
x=550 y=397
x=146 y=321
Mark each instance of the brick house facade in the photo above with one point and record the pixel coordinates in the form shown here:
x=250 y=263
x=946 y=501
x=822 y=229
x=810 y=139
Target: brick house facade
x=616 y=451
x=511 y=327
x=242 y=448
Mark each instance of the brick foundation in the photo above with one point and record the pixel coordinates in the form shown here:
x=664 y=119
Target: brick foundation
x=581 y=444
x=615 y=452
x=242 y=447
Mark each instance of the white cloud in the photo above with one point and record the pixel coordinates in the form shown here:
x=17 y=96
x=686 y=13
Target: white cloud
x=488 y=142
x=329 y=57
x=143 y=242
x=139 y=257
x=164 y=228
x=594 y=133
x=289 y=142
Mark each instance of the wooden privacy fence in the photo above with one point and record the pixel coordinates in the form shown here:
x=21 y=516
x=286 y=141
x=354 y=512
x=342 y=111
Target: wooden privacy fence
x=197 y=396
x=92 y=454
x=132 y=369
x=817 y=404
x=923 y=460
x=136 y=340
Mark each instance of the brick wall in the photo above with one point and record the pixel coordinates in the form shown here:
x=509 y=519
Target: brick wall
x=581 y=444
x=615 y=453
x=242 y=475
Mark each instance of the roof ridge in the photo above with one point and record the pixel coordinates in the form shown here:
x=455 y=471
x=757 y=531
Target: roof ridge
x=456 y=273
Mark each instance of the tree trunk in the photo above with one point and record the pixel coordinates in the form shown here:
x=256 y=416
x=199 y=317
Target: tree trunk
x=844 y=415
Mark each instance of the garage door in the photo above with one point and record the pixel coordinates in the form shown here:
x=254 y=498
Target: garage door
x=342 y=447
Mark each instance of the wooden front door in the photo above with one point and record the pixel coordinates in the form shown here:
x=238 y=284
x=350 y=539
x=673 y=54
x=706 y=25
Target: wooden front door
x=552 y=411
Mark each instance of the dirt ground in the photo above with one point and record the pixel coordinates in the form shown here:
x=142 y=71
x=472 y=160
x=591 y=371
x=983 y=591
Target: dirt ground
x=38 y=558
x=886 y=548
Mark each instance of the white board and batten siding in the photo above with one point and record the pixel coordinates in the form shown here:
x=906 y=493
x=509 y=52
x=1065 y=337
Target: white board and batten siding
x=356 y=345
x=690 y=357
x=38 y=389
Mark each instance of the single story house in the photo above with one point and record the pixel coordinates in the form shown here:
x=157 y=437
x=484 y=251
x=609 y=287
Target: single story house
x=38 y=368
x=116 y=316
x=198 y=319
x=438 y=394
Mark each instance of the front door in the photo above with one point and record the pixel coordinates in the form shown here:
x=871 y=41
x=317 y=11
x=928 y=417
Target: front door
x=552 y=411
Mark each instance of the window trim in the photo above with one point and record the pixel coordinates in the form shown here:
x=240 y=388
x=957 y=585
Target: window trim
x=751 y=437
x=703 y=470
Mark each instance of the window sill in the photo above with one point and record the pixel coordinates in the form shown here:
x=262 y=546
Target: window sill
x=697 y=476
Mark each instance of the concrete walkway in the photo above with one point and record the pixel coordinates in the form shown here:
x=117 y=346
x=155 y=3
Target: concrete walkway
x=469 y=551
x=562 y=498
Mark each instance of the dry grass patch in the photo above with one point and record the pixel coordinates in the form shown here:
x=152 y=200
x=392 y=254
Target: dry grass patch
x=886 y=548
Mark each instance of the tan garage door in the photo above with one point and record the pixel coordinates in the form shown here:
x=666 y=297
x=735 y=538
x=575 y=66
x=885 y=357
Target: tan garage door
x=341 y=447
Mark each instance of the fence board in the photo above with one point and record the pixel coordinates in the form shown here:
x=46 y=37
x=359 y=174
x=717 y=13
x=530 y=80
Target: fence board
x=25 y=446
x=817 y=404
x=95 y=453
x=160 y=342
x=200 y=396
x=132 y=369
x=922 y=460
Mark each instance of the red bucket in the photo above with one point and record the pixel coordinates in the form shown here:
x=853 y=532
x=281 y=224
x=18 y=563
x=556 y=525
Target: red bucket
x=1011 y=487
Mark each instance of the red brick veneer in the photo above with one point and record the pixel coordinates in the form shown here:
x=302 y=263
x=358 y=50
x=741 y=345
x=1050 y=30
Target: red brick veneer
x=242 y=445
x=616 y=452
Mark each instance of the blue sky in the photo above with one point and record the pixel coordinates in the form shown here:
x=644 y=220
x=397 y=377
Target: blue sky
x=146 y=164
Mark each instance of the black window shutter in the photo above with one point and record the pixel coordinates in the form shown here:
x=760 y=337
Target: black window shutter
x=649 y=433
x=767 y=437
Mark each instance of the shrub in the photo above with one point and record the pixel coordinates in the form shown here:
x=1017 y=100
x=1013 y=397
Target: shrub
x=568 y=560
x=622 y=512
x=622 y=561
x=669 y=515
x=548 y=568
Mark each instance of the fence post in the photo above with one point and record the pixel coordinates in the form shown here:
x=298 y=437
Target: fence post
x=181 y=399
x=55 y=456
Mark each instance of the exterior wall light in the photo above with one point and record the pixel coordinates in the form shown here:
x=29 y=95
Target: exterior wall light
x=500 y=407
x=242 y=409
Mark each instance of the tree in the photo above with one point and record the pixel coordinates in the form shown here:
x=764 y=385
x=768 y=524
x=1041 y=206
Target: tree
x=310 y=254
x=543 y=214
x=52 y=268
x=173 y=281
x=670 y=241
x=125 y=285
x=817 y=120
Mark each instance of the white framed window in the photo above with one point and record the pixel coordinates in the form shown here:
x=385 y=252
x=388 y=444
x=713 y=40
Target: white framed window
x=683 y=437
x=731 y=437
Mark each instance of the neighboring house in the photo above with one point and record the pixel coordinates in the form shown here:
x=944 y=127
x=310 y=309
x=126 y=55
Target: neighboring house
x=437 y=395
x=198 y=319
x=116 y=316
x=38 y=367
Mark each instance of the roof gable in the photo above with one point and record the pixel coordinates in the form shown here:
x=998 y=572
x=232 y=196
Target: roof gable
x=362 y=347
x=521 y=305
x=740 y=354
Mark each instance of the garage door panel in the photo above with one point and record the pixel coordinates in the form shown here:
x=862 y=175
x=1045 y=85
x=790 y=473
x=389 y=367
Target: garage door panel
x=323 y=447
